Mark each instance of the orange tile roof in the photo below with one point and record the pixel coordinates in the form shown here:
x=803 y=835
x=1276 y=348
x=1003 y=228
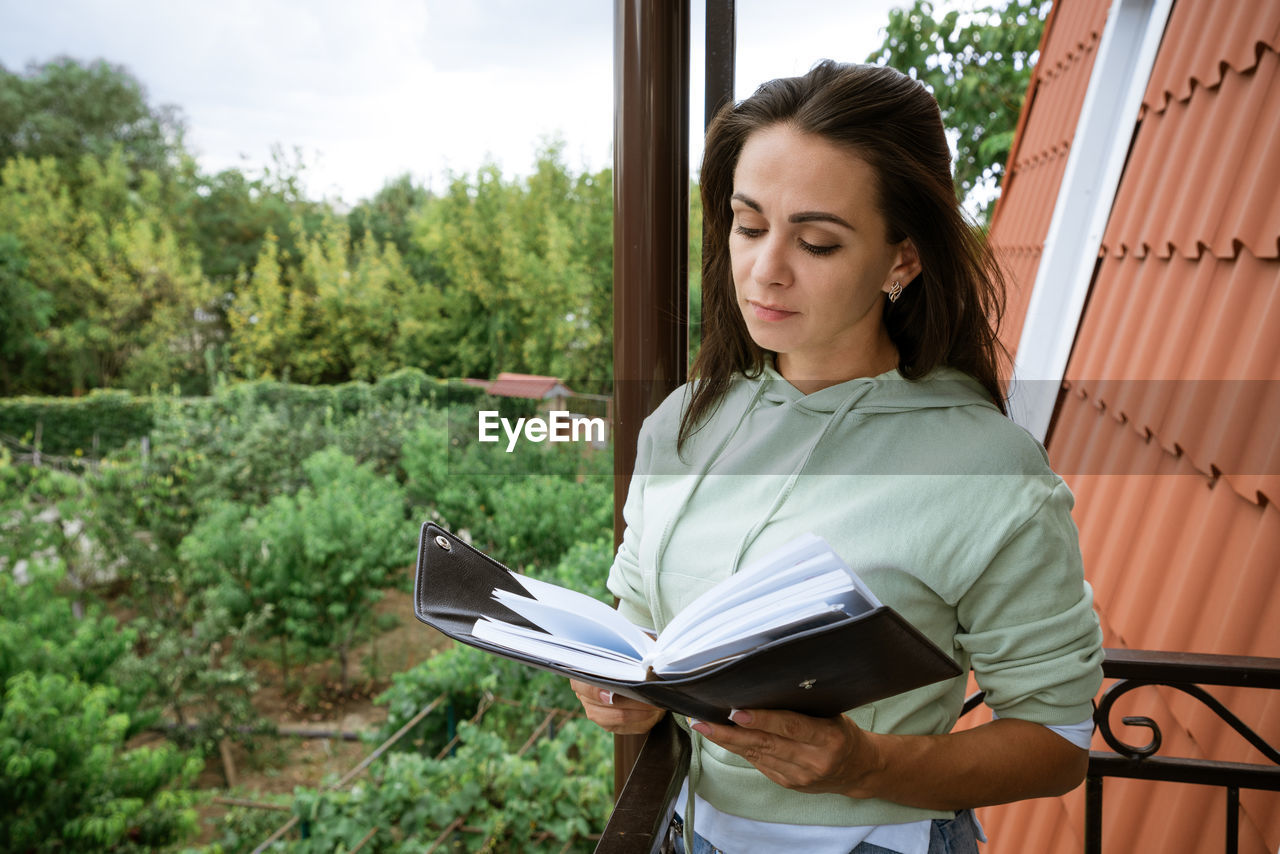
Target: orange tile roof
x=1227 y=200
x=1198 y=50
x=1169 y=432
x=531 y=386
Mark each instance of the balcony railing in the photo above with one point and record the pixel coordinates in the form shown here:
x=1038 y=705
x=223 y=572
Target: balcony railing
x=643 y=812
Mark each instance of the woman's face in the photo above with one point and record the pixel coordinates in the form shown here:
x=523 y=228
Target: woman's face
x=811 y=258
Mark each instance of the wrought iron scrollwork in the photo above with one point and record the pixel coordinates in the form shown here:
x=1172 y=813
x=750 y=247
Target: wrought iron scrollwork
x=1102 y=717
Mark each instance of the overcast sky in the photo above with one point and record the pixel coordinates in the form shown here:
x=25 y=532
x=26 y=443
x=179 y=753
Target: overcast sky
x=369 y=90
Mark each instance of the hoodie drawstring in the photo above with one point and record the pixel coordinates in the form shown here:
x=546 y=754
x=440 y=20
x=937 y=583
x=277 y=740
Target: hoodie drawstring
x=660 y=618
x=790 y=483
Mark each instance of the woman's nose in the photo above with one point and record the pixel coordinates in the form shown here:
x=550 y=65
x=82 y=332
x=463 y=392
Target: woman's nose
x=772 y=263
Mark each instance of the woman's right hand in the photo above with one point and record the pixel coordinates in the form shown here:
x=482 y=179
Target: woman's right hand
x=617 y=714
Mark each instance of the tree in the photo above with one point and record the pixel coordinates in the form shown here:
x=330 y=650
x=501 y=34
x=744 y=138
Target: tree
x=120 y=294
x=260 y=336
x=24 y=314
x=388 y=218
x=344 y=307
x=227 y=217
x=525 y=269
x=978 y=65
x=66 y=109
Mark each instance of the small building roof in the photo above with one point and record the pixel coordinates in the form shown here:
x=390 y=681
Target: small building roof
x=528 y=386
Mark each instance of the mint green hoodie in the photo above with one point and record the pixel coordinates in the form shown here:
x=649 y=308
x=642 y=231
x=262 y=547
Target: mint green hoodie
x=946 y=508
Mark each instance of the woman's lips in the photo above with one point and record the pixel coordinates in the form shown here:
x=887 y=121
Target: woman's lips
x=770 y=313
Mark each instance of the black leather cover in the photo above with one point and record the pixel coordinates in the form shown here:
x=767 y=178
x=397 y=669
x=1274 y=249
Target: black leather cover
x=822 y=672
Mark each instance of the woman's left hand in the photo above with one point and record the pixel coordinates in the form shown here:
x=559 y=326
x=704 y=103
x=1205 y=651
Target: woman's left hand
x=816 y=755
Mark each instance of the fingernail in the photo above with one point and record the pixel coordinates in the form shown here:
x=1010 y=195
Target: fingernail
x=699 y=726
x=606 y=696
x=693 y=722
x=739 y=717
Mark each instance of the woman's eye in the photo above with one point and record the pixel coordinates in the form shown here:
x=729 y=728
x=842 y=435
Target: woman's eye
x=748 y=232
x=818 y=250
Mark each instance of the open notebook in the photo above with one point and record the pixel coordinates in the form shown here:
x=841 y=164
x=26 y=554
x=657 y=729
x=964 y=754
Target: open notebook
x=796 y=629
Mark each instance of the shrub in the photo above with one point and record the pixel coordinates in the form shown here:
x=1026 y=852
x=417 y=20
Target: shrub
x=534 y=520
x=68 y=781
x=409 y=385
x=557 y=792
x=313 y=562
x=40 y=632
x=68 y=425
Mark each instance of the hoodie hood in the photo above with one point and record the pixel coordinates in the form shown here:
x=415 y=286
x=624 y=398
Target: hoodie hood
x=887 y=392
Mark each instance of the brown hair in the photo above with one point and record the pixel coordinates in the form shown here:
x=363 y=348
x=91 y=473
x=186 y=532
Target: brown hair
x=947 y=315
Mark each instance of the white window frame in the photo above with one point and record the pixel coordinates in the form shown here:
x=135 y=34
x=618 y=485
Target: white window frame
x=1108 y=121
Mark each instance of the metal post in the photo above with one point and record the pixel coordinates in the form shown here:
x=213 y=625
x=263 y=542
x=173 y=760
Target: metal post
x=650 y=235
x=721 y=47
x=1093 y=815
x=1233 y=820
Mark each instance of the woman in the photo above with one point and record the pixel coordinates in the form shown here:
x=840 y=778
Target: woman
x=847 y=385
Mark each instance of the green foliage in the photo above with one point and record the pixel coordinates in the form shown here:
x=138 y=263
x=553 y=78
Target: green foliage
x=583 y=566
x=39 y=632
x=388 y=219
x=249 y=455
x=409 y=385
x=534 y=519
x=64 y=109
x=528 y=506
x=195 y=670
x=557 y=792
x=31 y=533
x=247 y=442
x=695 y=271
x=228 y=215
x=335 y=318
x=25 y=311
x=313 y=562
x=272 y=511
x=977 y=64
x=68 y=782
x=525 y=267
x=124 y=291
x=123 y=266
x=243 y=828
x=48 y=520
x=68 y=425
x=465 y=676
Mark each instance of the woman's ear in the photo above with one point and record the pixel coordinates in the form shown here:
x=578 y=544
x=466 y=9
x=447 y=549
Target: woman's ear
x=906 y=265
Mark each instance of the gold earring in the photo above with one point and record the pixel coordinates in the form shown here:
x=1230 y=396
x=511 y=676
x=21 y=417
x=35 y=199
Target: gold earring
x=895 y=291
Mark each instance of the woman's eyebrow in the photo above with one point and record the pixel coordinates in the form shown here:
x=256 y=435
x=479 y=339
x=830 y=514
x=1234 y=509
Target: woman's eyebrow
x=802 y=216
x=818 y=216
